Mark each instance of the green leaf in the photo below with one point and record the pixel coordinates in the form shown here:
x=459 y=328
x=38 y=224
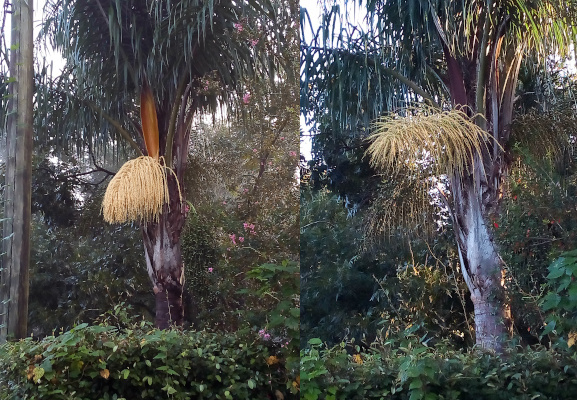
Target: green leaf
x=251 y=384
x=416 y=395
x=556 y=270
x=169 y=389
x=416 y=384
x=551 y=301
x=573 y=293
x=549 y=328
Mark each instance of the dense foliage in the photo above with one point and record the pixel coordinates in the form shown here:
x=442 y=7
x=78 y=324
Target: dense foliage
x=411 y=370
x=354 y=288
x=123 y=358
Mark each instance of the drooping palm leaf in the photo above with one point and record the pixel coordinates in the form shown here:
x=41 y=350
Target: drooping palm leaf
x=111 y=47
x=350 y=75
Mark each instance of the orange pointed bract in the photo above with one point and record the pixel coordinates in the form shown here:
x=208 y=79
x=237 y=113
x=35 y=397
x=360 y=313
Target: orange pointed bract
x=149 y=121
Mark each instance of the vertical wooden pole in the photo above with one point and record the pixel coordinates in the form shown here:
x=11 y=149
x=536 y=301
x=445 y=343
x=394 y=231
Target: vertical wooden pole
x=14 y=284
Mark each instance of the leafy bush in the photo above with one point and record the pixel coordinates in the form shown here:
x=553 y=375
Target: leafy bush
x=561 y=299
x=133 y=360
x=411 y=370
x=536 y=224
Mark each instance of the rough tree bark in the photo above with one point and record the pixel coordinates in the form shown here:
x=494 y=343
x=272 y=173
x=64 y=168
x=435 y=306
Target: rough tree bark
x=481 y=266
x=164 y=261
x=476 y=196
x=162 y=239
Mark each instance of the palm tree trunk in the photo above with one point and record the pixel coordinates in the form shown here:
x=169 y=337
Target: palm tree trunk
x=164 y=261
x=481 y=265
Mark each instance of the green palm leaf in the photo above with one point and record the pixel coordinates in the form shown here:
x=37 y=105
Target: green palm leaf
x=111 y=47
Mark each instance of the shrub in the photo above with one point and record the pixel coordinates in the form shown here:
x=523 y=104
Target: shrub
x=560 y=300
x=136 y=361
x=411 y=370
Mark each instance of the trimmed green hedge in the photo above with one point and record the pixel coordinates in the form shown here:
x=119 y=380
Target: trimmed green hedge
x=140 y=362
x=415 y=371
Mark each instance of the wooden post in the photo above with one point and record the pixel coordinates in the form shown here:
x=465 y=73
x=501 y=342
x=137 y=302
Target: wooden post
x=14 y=284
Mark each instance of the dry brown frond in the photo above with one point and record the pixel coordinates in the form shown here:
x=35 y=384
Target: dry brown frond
x=427 y=141
x=137 y=192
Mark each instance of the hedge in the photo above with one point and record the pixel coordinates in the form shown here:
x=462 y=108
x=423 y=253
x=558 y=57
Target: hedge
x=140 y=362
x=415 y=371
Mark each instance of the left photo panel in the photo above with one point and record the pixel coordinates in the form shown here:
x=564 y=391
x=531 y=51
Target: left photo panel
x=149 y=199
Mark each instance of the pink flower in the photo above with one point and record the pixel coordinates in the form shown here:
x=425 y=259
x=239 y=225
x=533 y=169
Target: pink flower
x=241 y=239
x=233 y=238
x=282 y=138
x=224 y=202
x=186 y=208
x=246 y=98
x=253 y=42
x=238 y=26
x=293 y=153
x=254 y=150
x=263 y=334
x=249 y=227
x=245 y=190
x=210 y=269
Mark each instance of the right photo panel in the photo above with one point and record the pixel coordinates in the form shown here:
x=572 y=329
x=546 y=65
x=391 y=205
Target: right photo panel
x=438 y=213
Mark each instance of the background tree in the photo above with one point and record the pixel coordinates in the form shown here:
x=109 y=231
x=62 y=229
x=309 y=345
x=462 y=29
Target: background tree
x=17 y=215
x=460 y=56
x=192 y=54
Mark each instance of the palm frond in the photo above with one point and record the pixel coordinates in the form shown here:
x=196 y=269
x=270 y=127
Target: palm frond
x=111 y=47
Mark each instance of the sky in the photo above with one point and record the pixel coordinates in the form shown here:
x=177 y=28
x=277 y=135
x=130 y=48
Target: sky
x=314 y=9
x=55 y=58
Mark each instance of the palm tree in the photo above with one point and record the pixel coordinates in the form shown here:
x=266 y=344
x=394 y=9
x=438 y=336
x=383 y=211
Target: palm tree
x=462 y=59
x=193 y=55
